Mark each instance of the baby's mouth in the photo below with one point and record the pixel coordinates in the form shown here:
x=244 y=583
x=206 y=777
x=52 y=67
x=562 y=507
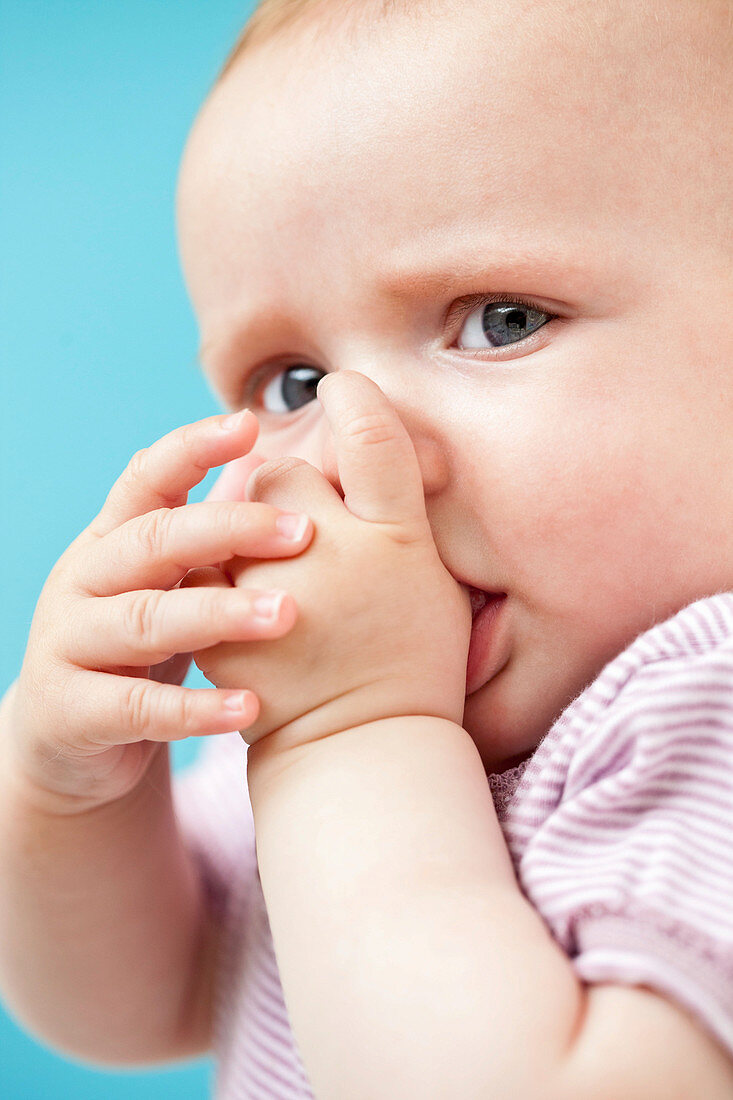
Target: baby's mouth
x=484 y=659
x=479 y=599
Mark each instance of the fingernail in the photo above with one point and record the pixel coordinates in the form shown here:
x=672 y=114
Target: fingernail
x=321 y=383
x=266 y=606
x=291 y=525
x=237 y=703
x=232 y=422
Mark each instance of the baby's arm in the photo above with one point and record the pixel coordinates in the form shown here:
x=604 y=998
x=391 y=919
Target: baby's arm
x=411 y=962
x=106 y=947
x=105 y=943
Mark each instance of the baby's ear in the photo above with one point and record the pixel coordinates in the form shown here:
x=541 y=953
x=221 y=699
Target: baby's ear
x=231 y=482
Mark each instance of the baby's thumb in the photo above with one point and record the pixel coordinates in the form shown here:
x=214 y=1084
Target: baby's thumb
x=376 y=460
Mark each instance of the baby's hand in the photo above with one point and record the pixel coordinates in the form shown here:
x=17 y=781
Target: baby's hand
x=383 y=628
x=89 y=711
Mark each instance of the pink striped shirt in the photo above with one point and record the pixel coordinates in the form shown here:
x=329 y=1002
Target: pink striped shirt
x=620 y=828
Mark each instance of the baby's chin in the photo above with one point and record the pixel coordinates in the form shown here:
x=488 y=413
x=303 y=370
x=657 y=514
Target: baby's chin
x=505 y=721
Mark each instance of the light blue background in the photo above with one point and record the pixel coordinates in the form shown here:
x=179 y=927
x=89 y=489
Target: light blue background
x=97 y=339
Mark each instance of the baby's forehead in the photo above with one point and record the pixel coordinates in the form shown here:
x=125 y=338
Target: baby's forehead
x=657 y=30
x=585 y=63
x=563 y=127
x=640 y=79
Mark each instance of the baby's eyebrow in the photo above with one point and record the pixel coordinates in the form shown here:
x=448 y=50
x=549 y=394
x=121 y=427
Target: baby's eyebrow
x=249 y=327
x=560 y=277
x=548 y=271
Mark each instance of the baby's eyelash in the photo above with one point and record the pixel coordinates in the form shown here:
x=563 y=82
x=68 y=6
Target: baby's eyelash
x=462 y=309
x=456 y=313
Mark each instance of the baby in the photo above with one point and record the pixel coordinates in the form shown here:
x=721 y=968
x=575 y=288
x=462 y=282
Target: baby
x=463 y=275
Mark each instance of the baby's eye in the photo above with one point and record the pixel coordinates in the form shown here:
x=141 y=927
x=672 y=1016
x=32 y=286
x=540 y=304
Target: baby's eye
x=291 y=388
x=488 y=324
x=496 y=324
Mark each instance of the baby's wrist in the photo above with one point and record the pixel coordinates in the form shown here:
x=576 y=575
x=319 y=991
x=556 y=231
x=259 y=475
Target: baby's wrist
x=275 y=760
x=341 y=717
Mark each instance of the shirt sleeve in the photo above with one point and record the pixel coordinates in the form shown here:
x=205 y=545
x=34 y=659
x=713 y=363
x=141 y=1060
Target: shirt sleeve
x=213 y=810
x=632 y=866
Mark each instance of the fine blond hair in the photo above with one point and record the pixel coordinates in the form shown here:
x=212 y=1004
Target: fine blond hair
x=271 y=17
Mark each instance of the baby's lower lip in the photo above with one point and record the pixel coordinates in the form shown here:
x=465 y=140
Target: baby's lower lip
x=480 y=651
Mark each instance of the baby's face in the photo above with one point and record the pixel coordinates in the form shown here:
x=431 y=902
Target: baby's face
x=352 y=202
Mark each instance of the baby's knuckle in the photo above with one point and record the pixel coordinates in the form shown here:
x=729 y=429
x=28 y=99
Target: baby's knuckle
x=405 y=535
x=61 y=572
x=187 y=441
x=230 y=522
x=188 y=719
x=180 y=711
x=270 y=473
x=250 y=517
x=137 y=467
x=369 y=428
x=67 y=574
x=152 y=530
x=63 y=696
x=187 y=436
x=64 y=630
x=138 y=707
x=141 y=617
x=49 y=692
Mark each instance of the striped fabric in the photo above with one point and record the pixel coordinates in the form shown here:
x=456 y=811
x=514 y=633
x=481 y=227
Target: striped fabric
x=620 y=828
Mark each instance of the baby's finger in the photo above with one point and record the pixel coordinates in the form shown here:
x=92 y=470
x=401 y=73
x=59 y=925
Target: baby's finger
x=137 y=629
x=157 y=550
x=175 y=669
x=160 y=476
x=377 y=465
x=121 y=710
